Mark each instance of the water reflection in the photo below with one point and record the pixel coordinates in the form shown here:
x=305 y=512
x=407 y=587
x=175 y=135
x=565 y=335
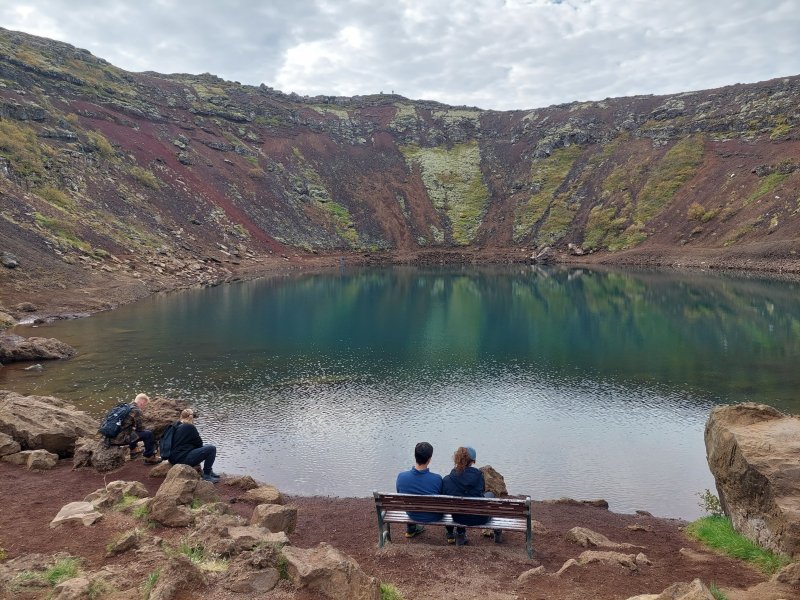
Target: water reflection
x=569 y=382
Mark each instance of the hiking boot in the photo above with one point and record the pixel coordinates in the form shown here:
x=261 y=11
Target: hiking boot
x=414 y=531
x=210 y=477
x=461 y=539
x=498 y=536
x=213 y=474
x=136 y=453
x=153 y=459
x=450 y=537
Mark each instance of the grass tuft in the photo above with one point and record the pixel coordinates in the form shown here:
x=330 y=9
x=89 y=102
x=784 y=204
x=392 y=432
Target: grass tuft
x=718 y=533
x=64 y=569
x=389 y=592
x=150 y=583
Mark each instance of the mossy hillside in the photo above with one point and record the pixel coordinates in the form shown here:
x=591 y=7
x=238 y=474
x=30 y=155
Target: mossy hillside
x=321 y=201
x=454 y=182
x=678 y=166
x=457 y=115
x=75 y=66
x=547 y=175
x=329 y=109
x=766 y=185
x=405 y=117
x=25 y=154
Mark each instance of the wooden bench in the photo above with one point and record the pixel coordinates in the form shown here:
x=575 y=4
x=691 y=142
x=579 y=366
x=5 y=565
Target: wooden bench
x=509 y=514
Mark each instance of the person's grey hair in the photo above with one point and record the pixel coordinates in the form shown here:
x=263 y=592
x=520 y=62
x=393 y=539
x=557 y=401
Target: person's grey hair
x=187 y=414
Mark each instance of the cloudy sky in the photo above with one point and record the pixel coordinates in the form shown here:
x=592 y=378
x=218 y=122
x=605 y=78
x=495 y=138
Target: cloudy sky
x=499 y=54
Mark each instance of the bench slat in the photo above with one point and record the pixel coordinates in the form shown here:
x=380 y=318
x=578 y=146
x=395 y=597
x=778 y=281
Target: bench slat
x=493 y=523
x=513 y=514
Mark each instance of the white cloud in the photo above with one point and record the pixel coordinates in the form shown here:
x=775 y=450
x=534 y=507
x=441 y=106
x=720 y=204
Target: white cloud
x=490 y=53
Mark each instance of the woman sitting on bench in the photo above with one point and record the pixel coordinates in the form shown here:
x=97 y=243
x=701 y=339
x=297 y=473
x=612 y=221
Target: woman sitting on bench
x=465 y=480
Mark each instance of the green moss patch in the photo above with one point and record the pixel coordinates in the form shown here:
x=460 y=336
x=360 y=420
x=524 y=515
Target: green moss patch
x=453 y=180
x=547 y=175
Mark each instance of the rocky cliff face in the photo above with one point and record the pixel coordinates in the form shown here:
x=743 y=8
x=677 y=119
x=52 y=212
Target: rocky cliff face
x=182 y=176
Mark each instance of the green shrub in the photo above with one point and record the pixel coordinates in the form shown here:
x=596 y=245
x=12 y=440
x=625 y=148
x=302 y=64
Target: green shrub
x=718 y=595
x=194 y=552
x=64 y=569
x=3 y=553
x=717 y=532
x=389 y=592
x=150 y=583
x=146 y=177
x=283 y=566
x=140 y=512
x=56 y=197
x=101 y=145
x=710 y=503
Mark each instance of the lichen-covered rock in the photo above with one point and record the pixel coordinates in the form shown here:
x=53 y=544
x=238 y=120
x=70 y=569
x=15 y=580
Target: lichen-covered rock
x=680 y=591
x=114 y=492
x=84 y=512
x=264 y=494
x=17 y=348
x=8 y=445
x=127 y=541
x=178 y=574
x=275 y=517
x=494 y=481
x=43 y=422
x=92 y=452
x=588 y=538
x=327 y=571
x=40 y=460
x=752 y=452
x=6 y=320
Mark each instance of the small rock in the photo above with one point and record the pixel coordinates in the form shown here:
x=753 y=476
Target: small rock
x=8 y=260
x=77 y=511
x=265 y=494
x=641 y=559
x=8 y=445
x=530 y=574
x=243 y=482
x=567 y=565
x=275 y=517
x=36 y=367
x=127 y=541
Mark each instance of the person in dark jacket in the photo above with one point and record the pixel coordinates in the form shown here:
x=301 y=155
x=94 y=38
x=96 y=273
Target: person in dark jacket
x=420 y=480
x=133 y=430
x=188 y=447
x=466 y=481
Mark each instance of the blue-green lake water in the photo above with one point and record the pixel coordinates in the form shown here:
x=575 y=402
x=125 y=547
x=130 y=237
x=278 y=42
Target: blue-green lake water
x=579 y=383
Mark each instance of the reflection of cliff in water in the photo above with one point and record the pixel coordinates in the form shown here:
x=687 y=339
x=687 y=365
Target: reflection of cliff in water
x=733 y=339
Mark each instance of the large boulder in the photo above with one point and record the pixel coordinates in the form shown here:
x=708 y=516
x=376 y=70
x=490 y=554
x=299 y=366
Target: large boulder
x=43 y=422
x=15 y=348
x=85 y=512
x=40 y=460
x=275 y=517
x=494 y=481
x=114 y=492
x=161 y=412
x=752 y=451
x=180 y=487
x=8 y=445
x=92 y=452
x=327 y=571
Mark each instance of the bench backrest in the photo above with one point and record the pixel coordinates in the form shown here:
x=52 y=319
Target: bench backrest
x=494 y=507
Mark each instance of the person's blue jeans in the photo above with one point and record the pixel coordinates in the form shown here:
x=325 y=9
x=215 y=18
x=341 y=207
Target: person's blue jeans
x=149 y=443
x=206 y=455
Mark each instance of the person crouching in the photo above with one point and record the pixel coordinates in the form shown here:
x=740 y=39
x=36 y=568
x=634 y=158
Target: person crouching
x=188 y=447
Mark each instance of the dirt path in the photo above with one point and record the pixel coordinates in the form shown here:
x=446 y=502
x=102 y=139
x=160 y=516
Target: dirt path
x=422 y=568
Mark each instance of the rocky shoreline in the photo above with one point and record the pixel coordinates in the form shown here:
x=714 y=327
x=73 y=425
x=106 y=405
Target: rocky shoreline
x=132 y=531
x=60 y=297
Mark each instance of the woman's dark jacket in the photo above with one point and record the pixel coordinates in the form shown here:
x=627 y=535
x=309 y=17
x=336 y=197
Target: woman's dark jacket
x=185 y=439
x=470 y=484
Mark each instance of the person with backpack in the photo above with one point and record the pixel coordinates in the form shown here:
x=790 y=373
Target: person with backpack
x=187 y=447
x=124 y=425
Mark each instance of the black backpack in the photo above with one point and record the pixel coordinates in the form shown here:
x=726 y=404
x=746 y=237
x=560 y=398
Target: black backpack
x=165 y=444
x=112 y=424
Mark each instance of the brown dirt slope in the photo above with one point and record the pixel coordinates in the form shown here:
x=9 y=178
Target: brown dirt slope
x=424 y=568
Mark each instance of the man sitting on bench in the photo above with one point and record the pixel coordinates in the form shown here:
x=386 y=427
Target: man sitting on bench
x=420 y=480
